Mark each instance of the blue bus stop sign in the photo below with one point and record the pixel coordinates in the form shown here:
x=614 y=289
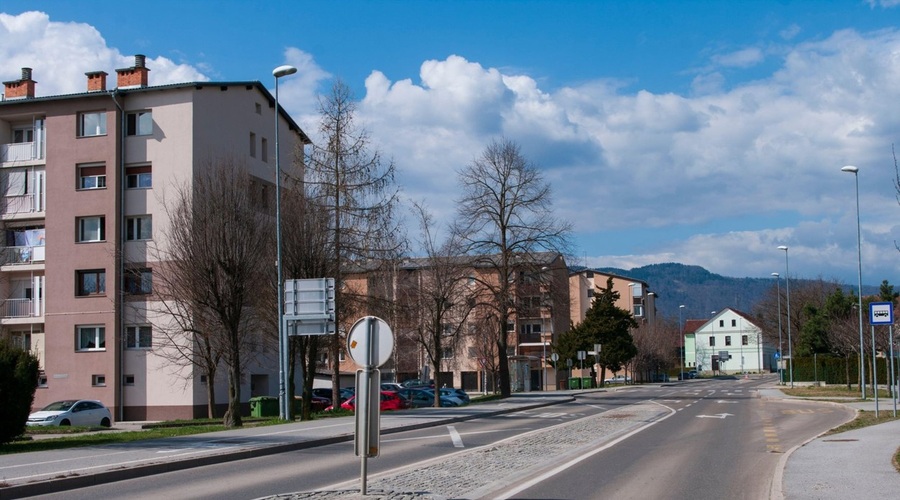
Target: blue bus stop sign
x=881 y=313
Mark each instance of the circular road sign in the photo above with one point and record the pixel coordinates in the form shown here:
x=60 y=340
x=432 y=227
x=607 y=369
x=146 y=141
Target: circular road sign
x=381 y=340
x=554 y=357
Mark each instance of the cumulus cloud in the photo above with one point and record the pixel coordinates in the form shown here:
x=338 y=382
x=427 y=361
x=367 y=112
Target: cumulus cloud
x=746 y=166
x=60 y=53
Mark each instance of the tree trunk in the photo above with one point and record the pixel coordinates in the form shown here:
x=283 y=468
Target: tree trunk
x=211 y=394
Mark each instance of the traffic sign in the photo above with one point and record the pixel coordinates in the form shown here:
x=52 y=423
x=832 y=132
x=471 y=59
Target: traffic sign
x=881 y=313
x=370 y=342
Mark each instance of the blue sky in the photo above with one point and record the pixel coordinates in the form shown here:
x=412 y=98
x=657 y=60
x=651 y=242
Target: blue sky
x=701 y=132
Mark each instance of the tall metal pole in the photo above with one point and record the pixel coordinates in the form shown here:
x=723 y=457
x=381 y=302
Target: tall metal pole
x=787 y=281
x=681 y=332
x=862 y=366
x=284 y=358
x=780 y=346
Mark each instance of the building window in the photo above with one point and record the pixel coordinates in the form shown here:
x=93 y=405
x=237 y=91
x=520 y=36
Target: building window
x=734 y=322
x=510 y=327
x=139 y=123
x=42 y=379
x=91 y=177
x=128 y=379
x=712 y=341
x=91 y=229
x=138 y=177
x=98 y=380
x=91 y=282
x=722 y=323
x=745 y=340
x=638 y=310
x=252 y=145
x=22 y=340
x=139 y=281
x=264 y=150
x=90 y=338
x=728 y=340
x=92 y=124
x=531 y=329
x=447 y=353
x=258 y=108
x=138 y=337
x=590 y=292
x=138 y=227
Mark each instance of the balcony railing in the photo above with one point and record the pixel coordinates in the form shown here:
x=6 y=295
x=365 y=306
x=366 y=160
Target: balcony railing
x=17 y=256
x=21 y=204
x=18 y=308
x=20 y=152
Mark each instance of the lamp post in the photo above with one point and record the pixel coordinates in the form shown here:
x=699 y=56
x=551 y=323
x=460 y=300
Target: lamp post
x=780 y=346
x=284 y=359
x=862 y=370
x=787 y=281
x=681 y=332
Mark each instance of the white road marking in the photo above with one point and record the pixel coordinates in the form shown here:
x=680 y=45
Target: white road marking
x=454 y=436
x=720 y=415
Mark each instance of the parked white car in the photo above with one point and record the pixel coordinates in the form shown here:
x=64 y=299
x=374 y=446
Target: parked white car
x=84 y=412
x=618 y=379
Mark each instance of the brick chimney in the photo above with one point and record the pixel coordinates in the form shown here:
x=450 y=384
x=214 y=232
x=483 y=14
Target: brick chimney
x=20 y=89
x=135 y=76
x=96 y=81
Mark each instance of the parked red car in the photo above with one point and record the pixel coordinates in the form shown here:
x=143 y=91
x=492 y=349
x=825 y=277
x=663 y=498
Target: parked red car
x=389 y=401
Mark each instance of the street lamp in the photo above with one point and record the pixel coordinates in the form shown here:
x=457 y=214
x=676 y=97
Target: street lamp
x=862 y=371
x=787 y=281
x=284 y=359
x=681 y=332
x=780 y=346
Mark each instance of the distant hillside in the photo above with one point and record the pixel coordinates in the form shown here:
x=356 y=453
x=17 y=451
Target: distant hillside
x=699 y=290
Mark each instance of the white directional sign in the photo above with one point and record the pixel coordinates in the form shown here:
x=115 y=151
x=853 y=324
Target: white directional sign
x=881 y=313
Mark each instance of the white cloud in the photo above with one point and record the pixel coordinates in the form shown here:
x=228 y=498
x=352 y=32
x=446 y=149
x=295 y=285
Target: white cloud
x=743 y=58
x=61 y=53
x=740 y=157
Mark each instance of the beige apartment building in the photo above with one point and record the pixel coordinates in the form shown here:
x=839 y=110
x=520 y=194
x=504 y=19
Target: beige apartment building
x=84 y=178
x=468 y=359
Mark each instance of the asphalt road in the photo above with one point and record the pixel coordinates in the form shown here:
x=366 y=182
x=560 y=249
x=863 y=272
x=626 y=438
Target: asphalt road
x=722 y=441
x=710 y=439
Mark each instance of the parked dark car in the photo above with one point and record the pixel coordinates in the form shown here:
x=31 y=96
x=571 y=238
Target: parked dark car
x=423 y=398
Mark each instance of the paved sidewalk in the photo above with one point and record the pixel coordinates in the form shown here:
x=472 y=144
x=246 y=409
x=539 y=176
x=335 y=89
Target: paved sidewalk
x=853 y=464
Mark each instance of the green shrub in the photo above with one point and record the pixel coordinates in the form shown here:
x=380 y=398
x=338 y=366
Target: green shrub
x=18 y=381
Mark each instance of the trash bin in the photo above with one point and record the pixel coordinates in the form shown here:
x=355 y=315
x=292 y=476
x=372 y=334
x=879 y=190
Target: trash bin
x=574 y=383
x=264 y=406
x=587 y=382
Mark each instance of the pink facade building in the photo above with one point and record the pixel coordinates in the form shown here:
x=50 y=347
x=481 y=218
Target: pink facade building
x=82 y=182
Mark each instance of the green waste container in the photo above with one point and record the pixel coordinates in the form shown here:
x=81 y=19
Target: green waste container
x=264 y=406
x=574 y=383
x=587 y=383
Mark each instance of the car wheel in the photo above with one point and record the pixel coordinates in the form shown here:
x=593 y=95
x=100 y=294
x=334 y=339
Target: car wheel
x=105 y=422
x=65 y=423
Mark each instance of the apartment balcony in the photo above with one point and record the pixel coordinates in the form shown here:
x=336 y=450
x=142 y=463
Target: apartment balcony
x=21 y=153
x=21 y=311
x=23 y=206
x=22 y=258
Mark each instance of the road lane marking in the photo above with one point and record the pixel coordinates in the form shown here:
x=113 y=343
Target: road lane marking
x=454 y=437
x=720 y=415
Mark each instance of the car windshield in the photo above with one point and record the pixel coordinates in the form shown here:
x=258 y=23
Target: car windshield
x=58 y=406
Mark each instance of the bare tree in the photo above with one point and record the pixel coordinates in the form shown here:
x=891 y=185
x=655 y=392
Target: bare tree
x=439 y=296
x=357 y=188
x=504 y=216
x=210 y=270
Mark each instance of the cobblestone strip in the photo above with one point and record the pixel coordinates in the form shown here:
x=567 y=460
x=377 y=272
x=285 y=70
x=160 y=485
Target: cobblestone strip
x=474 y=473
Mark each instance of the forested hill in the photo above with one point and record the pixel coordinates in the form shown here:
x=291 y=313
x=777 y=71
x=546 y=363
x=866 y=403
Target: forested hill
x=700 y=291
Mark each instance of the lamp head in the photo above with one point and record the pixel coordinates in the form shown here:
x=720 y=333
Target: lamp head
x=850 y=168
x=776 y=274
x=783 y=247
x=283 y=71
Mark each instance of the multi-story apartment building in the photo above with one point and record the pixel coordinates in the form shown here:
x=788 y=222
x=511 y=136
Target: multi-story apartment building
x=634 y=295
x=83 y=183
x=468 y=357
